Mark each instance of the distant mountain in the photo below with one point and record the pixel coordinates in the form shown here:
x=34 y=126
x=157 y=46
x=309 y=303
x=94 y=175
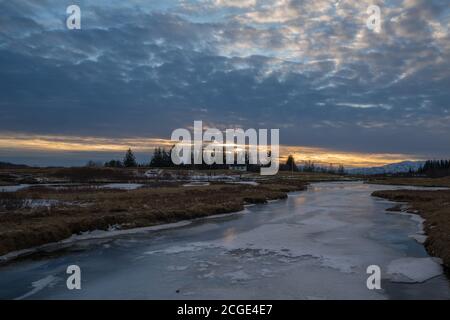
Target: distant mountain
x=401 y=167
x=7 y=165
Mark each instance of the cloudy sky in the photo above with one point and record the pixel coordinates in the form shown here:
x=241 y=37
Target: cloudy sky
x=137 y=70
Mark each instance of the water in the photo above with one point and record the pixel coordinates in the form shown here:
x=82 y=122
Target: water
x=316 y=244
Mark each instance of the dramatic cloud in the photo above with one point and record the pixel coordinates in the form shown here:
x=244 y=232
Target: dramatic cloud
x=309 y=67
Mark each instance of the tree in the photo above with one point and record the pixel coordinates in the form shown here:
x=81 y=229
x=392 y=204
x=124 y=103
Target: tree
x=290 y=164
x=309 y=166
x=114 y=164
x=161 y=158
x=130 y=160
x=436 y=168
x=166 y=158
x=157 y=159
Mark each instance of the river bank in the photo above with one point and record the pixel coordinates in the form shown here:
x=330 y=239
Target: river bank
x=42 y=214
x=409 y=181
x=434 y=207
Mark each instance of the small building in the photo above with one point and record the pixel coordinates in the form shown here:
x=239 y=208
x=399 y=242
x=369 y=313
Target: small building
x=153 y=173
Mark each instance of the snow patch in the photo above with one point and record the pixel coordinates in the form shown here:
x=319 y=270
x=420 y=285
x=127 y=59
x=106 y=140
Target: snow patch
x=14 y=188
x=420 y=238
x=250 y=183
x=122 y=186
x=39 y=203
x=196 y=184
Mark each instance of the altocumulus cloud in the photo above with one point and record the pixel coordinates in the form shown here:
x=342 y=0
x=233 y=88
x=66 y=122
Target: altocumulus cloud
x=309 y=67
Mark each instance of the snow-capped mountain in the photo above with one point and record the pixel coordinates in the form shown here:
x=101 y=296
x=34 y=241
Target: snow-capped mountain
x=400 y=167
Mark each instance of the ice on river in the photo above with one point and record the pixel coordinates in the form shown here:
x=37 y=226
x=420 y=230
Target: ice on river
x=316 y=244
x=414 y=269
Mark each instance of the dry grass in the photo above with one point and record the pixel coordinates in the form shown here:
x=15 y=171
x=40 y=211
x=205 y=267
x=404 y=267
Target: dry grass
x=84 y=208
x=434 y=207
x=74 y=175
x=84 y=174
x=411 y=181
x=22 y=228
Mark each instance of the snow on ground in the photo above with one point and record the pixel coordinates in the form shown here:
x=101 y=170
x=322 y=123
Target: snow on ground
x=420 y=238
x=221 y=177
x=14 y=188
x=122 y=186
x=198 y=180
x=46 y=203
x=250 y=183
x=196 y=184
x=38 y=203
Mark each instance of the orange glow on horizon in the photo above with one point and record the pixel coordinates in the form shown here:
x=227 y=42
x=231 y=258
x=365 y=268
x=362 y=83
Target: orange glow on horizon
x=61 y=144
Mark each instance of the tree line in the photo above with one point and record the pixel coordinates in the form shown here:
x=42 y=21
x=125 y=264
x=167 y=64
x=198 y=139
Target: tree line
x=163 y=159
x=310 y=166
x=435 y=168
x=160 y=159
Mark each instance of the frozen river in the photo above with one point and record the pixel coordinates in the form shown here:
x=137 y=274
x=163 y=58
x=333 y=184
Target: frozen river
x=316 y=244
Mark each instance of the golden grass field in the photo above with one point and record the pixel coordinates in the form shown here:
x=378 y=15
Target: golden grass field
x=411 y=181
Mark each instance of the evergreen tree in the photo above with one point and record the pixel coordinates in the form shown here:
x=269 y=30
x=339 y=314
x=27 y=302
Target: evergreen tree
x=130 y=160
x=290 y=164
x=166 y=159
x=158 y=158
x=436 y=168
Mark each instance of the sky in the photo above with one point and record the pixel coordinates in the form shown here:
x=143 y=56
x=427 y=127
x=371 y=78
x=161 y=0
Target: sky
x=136 y=70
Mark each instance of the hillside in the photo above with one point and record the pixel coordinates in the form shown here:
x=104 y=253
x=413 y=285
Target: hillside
x=401 y=167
